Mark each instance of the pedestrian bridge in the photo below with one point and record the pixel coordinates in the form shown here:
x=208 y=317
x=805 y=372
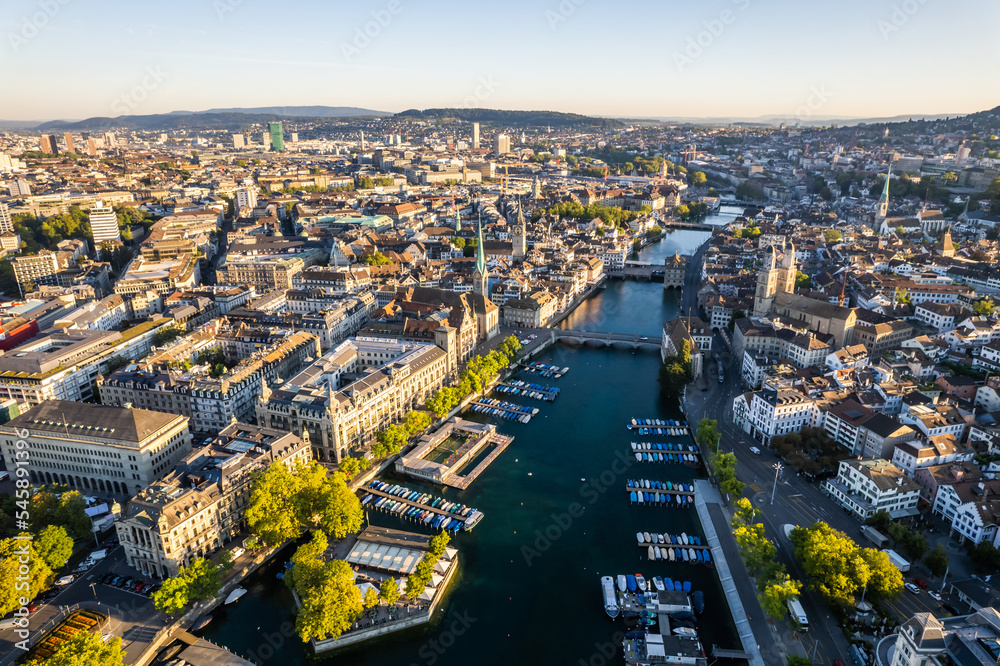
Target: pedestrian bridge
x=603 y=338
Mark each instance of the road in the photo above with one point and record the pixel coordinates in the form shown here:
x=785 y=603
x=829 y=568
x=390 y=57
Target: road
x=796 y=502
x=133 y=616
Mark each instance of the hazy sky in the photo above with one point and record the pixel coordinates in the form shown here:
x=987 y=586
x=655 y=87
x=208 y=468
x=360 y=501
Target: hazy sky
x=81 y=58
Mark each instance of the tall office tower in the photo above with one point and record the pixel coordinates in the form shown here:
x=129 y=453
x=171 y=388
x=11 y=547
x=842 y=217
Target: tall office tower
x=91 y=147
x=49 y=145
x=265 y=139
x=6 y=224
x=277 y=138
x=163 y=137
x=239 y=141
x=501 y=145
x=475 y=136
x=70 y=146
x=295 y=137
x=103 y=224
x=362 y=141
x=109 y=140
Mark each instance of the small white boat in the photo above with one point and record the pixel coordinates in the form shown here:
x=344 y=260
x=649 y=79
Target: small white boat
x=622 y=583
x=638 y=456
x=684 y=538
x=610 y=598
x=670 y=553
x=651 y=553
x=639 y=537
x=645 y=537
x=660 y=539
x=235 y=594
x=692 y=556
x=641 y=582
x=685 y=631
x=658 y=583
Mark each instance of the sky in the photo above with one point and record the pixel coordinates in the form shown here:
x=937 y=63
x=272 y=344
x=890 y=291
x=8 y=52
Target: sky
x=72 y=59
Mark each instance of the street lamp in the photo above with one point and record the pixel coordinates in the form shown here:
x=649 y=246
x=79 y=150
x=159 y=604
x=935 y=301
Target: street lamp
x=777 y=470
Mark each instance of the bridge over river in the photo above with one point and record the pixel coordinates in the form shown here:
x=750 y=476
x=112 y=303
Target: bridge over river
x=603 y=338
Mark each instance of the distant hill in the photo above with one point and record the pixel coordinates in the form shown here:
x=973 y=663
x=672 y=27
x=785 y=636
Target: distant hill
x=516 y=118
x=310 y=111
x=776 y=119
x=981 y=122
x=212 y=119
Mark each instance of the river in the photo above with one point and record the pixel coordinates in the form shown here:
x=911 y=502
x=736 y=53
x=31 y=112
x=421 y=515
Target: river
x=528 y=589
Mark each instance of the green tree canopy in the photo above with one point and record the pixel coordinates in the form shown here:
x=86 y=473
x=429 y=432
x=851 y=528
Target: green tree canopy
x=172 y=596
x=833 y=236
x=389 y=591
x=330 y=608
x=38 y=577
x=85 y=648
x=55 y=546
x=937 y=560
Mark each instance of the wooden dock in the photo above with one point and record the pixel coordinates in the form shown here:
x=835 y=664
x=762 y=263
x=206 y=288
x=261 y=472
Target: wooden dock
x=416 y=505
x=682 y=493
x=462 y=482
x=645 y=546
x=646 y=447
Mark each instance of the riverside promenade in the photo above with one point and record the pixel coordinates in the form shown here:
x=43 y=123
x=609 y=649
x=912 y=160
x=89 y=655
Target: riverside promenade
x=708 y=503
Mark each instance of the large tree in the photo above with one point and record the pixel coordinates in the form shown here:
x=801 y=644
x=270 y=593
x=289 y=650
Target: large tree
x=272 y=514
x=55 y=546
x=12 y=581
x=172 y=596
x=776 y=595
x=331 y=607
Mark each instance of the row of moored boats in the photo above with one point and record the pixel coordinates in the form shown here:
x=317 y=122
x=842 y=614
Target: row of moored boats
x=629 y=585
x=529 y=390
x=658 y=452
x=489 y=409
x=435 y=512
x=546 y=370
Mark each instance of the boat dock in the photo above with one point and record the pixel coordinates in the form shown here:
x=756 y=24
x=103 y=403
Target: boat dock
x=546 y=370
x=670 y=453
x=664 y=498
x=723 y=653
x=405 y=506
x=528 y=390
x=503 y=409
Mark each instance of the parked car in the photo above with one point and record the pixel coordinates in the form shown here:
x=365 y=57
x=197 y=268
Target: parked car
x=151 y=589
x=236 y=552
x=140 y=587
x=934 y=595
x=122 y=583
x=922 y=584
x=754 y=450
x=114 y=581
x=910 y=587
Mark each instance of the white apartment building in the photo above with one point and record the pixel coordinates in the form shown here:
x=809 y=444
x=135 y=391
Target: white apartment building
x=865 y=487
x=771 y=412
x=104 y=224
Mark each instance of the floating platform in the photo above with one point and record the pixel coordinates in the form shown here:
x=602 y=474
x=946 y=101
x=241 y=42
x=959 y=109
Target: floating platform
x=681 y=496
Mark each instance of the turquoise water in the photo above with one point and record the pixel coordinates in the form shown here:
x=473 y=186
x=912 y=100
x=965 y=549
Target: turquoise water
x=557 y=517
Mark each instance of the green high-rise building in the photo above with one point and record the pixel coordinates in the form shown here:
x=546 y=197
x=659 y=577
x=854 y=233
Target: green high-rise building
x=277 y=138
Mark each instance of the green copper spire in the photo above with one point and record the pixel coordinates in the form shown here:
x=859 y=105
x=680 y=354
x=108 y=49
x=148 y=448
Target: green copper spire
x=885 y=190
x=480 y=257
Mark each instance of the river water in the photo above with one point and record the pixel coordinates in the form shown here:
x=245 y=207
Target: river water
x=557 y=518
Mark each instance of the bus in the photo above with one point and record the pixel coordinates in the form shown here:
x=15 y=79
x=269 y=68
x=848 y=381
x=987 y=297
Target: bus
x=798 y=614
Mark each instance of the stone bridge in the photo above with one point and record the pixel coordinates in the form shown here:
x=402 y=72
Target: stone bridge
x=603 y=338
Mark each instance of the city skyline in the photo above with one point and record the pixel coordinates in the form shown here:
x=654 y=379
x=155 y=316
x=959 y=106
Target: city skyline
x=737 y=58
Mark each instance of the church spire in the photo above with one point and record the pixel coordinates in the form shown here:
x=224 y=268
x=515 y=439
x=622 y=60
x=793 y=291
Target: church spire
x=480 y=278
x=883 y=202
